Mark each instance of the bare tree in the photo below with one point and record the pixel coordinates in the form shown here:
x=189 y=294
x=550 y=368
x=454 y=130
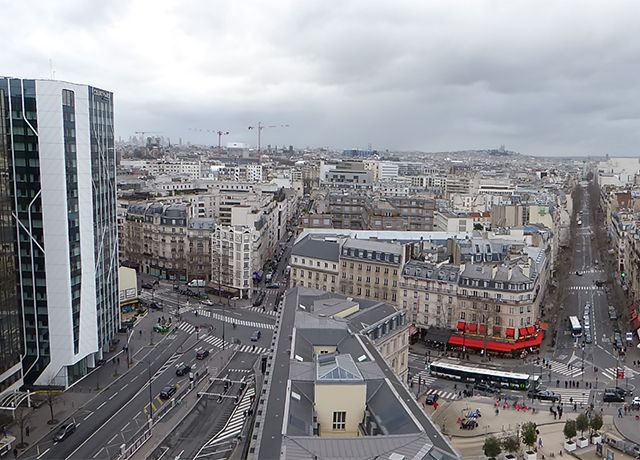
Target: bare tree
x=51 y=395
x=22 y=415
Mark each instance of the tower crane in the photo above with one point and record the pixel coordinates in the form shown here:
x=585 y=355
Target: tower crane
x=219 y=132
x=259 y=127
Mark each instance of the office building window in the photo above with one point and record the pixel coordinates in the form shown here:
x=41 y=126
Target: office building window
x=339 y=421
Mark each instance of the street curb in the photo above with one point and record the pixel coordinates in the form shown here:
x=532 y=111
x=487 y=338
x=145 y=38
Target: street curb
x=53 y=427
x=156 y=445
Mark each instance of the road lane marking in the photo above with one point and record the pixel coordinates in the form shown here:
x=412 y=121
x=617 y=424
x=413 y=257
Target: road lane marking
x=112 y=439
x=113 y=396
x=135 y=378
x=125 y=427
x=48 y=449
x=90 y=414
x=136 y=416
x=125 y=386
x=98 y=453
x=101 y=405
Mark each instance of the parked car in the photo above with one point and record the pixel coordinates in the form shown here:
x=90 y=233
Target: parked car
x=256 y=336
x=629 y=336
x=431 y=399
x=273 y=286
x=202 y=354
x=206 y=302
x=64 y=432
x=183 y=369
x=636 y=401
x=544 y=395
x=168 y=391
x=588 y=338
x=578 y=273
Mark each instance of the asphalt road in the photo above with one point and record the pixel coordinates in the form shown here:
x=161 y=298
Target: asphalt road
x=112 y=403
x=208 y=417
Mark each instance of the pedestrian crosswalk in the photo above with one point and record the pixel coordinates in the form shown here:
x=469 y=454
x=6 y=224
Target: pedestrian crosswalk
x=188 y=328
x=252 y=349
x=423 y=377
x=442 y=393
x=571 y=395
x=238 y=322
x=215 y=341
x=564 y=369
x=267 y=311
x=585 y=288
x=611 y=372
x=234 y=425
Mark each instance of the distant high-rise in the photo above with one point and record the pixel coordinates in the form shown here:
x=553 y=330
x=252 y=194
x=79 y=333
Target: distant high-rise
x=59 y=143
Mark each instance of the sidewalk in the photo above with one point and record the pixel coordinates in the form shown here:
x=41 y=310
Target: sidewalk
x=629 y=426
x=83 y=391
x=470 y=442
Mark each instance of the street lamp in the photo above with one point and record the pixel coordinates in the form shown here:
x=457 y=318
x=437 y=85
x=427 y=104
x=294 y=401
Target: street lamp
x=150 y=396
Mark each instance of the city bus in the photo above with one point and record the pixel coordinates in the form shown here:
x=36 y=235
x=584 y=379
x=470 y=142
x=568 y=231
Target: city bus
x=472 y=374
x=576 y=327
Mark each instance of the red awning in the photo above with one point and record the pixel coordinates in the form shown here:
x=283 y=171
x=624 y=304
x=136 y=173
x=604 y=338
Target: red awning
x=413 y=329
x=533 y=342
x=634 y=314
x=511 y=332
x=479 y=344
x=472 y=327
x=632 y=308
x=461 y=325
x=522 y=333
x=483 y=329
x=636 y=322
x=497 y=328
x=531 y=330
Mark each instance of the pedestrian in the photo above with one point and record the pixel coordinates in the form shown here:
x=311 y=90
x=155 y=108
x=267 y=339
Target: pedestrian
x=540 y=443
x=26 y=431
x=619 y=412
x=140 y=332
x=566 y=384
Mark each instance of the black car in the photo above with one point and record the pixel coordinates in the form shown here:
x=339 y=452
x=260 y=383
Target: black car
x=64 y=432
x=273 y=286
x=183 y=370
x=202 y=354
x=621 y=391
x=544 y=395
x=578 y=273
x=612 y=396
x=259 y=299
x=431 y=399
x=486 y=388
x=168 y=391
x=256 y=336
x=469 y=424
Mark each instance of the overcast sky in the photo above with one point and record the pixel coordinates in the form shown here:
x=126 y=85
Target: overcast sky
x=541 y=77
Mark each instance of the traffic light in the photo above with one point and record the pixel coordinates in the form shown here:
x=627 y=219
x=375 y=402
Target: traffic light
x=619 y=373
x=623 y=275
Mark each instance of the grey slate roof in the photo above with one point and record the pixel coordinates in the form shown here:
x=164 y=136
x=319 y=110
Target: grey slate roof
x=317 y=249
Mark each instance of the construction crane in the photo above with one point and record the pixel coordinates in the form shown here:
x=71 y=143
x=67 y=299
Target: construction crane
x=220 y=133
x=259 y=127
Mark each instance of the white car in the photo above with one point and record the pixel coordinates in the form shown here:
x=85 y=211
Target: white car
x=629 y=336
x=587 y=322
x=206 y=302
x=636 y=401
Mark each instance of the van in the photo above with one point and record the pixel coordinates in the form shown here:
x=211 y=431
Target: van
x=196 y=283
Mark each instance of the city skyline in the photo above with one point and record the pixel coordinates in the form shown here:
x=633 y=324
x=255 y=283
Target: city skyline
x=543 y=80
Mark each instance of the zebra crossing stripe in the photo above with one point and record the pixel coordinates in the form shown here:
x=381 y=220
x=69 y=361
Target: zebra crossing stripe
x=234 y=425
x=443 y=394
x=561 y=368
x=238 y=322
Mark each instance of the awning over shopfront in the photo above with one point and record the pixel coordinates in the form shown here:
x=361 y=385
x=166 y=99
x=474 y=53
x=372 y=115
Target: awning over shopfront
x=531 y=331
x=522 y=333
x=472 y=328
x=437 y=335
x=635 y=323
x=483 y=329
x=511 y=332
x=461 y=325
x=490 y=345
x=413 y=329
x=533 y=342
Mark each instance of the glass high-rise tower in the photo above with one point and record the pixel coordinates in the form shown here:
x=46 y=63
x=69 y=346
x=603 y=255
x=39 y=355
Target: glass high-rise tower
x=59 y=144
